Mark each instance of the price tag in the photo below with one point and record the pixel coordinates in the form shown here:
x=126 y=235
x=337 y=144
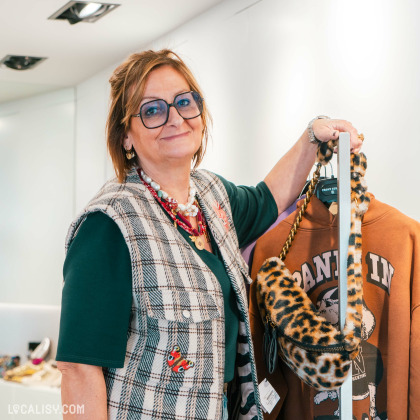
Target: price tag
x=269 y=396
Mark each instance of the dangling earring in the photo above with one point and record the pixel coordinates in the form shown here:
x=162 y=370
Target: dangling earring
x=130 y=153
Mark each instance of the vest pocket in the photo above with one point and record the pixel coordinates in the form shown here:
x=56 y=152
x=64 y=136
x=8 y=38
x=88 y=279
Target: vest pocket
x=181 y=306
x=180 y=349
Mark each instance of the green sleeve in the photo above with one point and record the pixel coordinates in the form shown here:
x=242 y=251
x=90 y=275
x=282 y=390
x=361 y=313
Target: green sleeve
x=254 y=210
x=96 y=296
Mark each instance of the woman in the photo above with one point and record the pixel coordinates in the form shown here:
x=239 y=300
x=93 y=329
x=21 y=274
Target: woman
x=154 y=317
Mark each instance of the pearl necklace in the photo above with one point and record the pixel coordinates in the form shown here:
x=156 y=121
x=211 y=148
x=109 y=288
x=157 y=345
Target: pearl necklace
x=198 y=236
x=189 y=209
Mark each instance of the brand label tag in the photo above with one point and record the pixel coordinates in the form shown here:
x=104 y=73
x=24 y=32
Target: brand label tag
x=269 y=396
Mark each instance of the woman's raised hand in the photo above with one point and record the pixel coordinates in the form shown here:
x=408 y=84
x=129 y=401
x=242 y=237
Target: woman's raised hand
x=326 y=129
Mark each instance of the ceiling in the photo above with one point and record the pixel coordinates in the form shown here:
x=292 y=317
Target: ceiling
x=76 y=52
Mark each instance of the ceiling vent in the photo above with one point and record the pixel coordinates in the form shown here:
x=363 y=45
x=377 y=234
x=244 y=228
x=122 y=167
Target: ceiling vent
x=21 y=62
x=83 y=11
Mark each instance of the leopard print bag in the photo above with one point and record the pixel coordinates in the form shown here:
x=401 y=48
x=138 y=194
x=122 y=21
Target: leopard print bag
x=312 y=347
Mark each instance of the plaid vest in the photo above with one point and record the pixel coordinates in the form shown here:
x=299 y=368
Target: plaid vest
x=174 y=364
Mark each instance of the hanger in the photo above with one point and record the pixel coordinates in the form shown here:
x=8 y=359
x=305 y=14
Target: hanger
x=326 y=190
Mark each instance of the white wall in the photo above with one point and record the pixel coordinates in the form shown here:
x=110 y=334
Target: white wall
x=37 y=189
x=266 y=67
x=90 y=143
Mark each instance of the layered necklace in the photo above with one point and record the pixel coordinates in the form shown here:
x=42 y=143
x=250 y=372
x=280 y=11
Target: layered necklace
x=198 y=236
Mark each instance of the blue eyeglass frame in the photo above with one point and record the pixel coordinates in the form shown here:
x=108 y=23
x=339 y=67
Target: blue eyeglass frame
x=199 y=100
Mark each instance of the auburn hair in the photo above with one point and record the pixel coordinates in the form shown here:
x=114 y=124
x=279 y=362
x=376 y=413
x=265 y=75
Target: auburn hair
x=128 y=83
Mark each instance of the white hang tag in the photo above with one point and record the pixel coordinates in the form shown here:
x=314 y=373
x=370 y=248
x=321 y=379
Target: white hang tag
x=269 y=396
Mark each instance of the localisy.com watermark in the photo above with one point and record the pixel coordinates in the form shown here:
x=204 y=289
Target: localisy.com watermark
x=45 y=409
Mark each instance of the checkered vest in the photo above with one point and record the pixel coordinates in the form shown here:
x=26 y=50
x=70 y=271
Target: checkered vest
x=177 y=301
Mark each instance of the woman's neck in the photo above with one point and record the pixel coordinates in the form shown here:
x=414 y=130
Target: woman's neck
x=175 y=180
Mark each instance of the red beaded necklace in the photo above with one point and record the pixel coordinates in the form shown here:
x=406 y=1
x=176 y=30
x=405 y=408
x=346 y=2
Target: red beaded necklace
x=200 y=236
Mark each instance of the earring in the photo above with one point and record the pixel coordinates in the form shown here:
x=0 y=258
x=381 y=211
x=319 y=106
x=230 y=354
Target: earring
x=130 y=153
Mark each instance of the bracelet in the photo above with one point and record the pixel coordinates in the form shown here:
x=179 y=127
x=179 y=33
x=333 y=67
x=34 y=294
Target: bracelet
x=312 y=138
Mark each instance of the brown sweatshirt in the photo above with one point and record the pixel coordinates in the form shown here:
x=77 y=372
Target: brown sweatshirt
x=386 y=374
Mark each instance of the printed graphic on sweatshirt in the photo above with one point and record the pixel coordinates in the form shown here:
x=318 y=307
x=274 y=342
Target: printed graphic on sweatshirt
x=367 y=368
x=380 y=271
x=324 y=268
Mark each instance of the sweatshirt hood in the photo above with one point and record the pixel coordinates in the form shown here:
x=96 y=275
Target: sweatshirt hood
x=318 y=216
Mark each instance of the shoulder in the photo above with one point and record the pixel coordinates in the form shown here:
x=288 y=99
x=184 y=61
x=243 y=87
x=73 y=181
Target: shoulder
x=93 y=225
x=96 y=231
x=204 y=175
x=382 y=212
x=114 y=190
x=113 y=195
x=209 y=179
x=98 y=222
x=114 y=199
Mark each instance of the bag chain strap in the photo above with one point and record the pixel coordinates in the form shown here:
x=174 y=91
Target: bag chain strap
x=309 y=194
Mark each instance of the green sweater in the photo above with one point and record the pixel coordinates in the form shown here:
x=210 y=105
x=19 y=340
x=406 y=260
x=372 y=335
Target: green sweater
x=97 y=294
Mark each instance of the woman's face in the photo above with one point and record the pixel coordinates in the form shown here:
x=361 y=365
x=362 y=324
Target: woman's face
x=174 y=143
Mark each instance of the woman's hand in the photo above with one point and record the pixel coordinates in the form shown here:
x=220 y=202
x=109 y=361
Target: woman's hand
x=288 y=176
x=326 y=129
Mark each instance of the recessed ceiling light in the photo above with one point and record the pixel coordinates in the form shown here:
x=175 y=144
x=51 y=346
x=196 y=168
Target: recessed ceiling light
x=83 y=11
x=21 y=62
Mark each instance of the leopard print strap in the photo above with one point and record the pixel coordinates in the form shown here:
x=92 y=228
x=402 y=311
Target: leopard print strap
x=310 y=345
x=324 y=155
x=271 y=302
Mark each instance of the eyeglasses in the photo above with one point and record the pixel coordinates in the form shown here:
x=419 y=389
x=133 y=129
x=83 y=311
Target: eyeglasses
x=155 y=113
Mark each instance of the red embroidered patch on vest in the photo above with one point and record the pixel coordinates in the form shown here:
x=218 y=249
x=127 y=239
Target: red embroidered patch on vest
x=177 y=363
x=221 y=214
